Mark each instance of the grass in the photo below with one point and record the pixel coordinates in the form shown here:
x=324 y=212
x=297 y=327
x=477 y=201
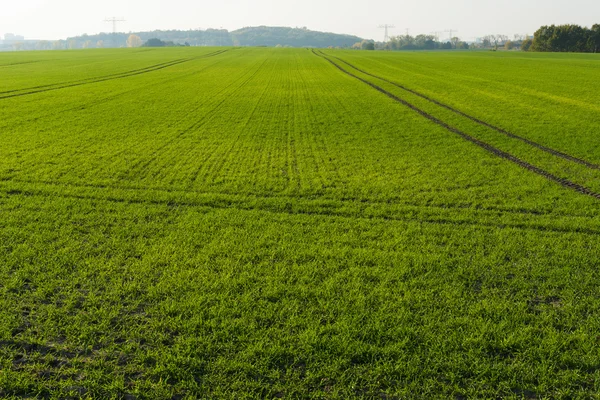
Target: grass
x=258 y=224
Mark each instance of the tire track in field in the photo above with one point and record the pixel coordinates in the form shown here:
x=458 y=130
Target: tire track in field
x=19 y=63
x=307 y=198
x=87 y=80
x=58 y=86
x=486 y=146
x=118 y=74
x=109 y=98
x=96 y=102
x=530 y=142
x=284 y=209
x=279 y=196
x=141 y=162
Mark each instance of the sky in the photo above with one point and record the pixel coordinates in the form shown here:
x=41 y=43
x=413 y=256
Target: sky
x=59 y=19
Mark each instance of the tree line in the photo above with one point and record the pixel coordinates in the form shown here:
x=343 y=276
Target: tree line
x=433 y=42
x=553 y=38
x=419 y=42
x=567 y=38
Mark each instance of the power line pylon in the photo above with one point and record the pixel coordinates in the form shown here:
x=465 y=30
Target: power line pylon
x=114 y=21
x=386 y=38
x=450 y=32
x=436 y=35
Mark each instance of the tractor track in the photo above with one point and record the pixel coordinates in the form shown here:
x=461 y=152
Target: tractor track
x=240 y=205
x=18 y=63
x=486 y=146
x=119 y=74
x=58 y=86
x=53 y=85
x=539 y=146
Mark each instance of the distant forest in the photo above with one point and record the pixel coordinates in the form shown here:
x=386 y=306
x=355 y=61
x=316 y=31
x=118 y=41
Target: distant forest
x=553 y=38
x=255 y=36
x=421 y=42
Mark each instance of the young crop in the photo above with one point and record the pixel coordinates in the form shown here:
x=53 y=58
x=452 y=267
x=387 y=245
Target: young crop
x=283 y=223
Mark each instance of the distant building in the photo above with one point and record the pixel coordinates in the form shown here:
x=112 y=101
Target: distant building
x=10 y=37
x=14 y=42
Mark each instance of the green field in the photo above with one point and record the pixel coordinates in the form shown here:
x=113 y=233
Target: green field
x=287 y=223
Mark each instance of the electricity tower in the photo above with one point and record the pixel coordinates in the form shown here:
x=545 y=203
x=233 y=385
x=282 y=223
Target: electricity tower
x=436 y=35
x=114 y=21
x=386 y=38
x=450 y=32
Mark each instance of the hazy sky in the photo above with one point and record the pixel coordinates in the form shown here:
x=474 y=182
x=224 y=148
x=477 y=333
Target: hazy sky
x=58 y=19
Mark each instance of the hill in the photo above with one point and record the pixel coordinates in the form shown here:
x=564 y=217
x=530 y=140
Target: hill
x=294 y=37
x=250 y=36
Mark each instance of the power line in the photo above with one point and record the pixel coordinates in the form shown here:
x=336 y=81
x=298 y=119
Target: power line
x=451 y=31
x=114 y=21
x=436 y=35
x=386 y=38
